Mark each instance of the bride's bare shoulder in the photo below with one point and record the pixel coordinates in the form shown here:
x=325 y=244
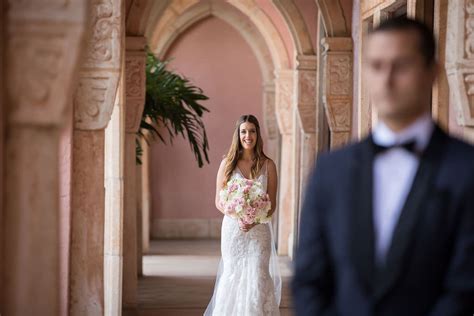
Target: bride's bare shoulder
x=223 y=163
x=271 y=166
x=269 y=161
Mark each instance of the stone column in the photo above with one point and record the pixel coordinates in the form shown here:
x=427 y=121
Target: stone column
x=270 y=122
x=135 y=61
x=145 y=197
x=139 y=206
x=285 y=105
x=337 y=88
x=440 y=96
x=460 y=64
x=364 y=108
x=44 y=43
x=295 y=177
x=2 y=136
x=93 y=105
x=306 y=127
x=273 y=133
x=307 y=102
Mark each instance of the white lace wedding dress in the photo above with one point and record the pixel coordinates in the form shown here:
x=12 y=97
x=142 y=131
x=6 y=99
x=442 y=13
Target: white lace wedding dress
x=248 y=281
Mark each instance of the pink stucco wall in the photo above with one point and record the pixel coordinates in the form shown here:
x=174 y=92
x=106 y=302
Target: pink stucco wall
x=214 y=56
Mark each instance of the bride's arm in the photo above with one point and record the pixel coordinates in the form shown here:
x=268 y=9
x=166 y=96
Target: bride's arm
x=272 y=185
x=219 y=181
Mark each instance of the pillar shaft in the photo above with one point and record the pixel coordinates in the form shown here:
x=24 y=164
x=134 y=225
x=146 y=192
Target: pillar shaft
x=135 y=61
x=87 y=228
x=94 y=101
x=43 y=45
x=31 y=222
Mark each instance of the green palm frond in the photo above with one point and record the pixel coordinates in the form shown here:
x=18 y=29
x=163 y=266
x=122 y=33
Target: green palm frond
x=172 y=106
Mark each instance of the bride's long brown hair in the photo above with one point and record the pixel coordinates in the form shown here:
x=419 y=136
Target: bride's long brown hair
x=236 y=150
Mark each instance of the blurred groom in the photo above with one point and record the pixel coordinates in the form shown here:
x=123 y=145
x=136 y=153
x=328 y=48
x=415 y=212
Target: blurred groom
x=387 y=225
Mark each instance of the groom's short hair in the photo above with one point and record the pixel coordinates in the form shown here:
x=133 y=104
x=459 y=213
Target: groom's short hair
x=427 y=42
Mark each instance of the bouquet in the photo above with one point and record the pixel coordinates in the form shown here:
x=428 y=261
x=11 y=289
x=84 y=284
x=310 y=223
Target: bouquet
x=246 y=200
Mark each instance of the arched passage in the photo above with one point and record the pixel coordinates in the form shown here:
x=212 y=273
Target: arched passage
x=228 y=72
x=288 y=63
x=271 y=60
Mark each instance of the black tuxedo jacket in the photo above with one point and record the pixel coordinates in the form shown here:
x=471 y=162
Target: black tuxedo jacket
x=430 y=262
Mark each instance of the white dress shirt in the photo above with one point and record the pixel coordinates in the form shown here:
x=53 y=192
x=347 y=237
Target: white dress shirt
x=393 y=174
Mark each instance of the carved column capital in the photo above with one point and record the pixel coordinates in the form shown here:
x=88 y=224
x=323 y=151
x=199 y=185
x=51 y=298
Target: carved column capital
x=285 y=99
x=337 y=84
x=100 y=71
x=269 y=116
x=337 y=44
x=307 y=92
x=460 y=59
x=44 y=44
x=307 y=62
x=135 y=82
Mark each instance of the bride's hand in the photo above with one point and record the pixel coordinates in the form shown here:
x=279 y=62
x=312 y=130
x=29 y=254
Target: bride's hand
x=246 y=227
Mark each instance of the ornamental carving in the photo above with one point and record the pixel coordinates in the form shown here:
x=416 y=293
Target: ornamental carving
x=339 y=114
x=135 y=82
x=135 y=77
x=469 y=47
x=270 y=120
x=337 y=85
x=307 y=100
x=284 y=102
x=35 y=66
x=94 y=100
x=460 y=59
x=340 y=74
x=469 y=79
x=104 y=44
x=307 y=86
x=99 y=76
x=134 y=110
x=41 y=58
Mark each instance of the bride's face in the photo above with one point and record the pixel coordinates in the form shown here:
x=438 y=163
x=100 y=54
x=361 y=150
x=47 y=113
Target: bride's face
x=248 y=135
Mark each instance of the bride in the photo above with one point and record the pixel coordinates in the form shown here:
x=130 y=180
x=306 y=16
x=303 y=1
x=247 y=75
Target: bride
x=248 y=280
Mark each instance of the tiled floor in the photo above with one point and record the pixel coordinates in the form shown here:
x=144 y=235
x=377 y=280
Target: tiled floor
x=179 y=278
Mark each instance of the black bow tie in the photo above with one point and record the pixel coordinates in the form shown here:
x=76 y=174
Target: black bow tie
x=409 y=146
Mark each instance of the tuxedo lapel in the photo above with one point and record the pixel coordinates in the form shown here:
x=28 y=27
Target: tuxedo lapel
x=360 y=218
x=404 y=229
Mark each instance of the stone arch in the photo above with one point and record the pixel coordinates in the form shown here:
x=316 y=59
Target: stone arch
x=295 y=109
x=251 y=35
x=289 y=79
x=296 y=26
x=226 y=13
x=277 y=100
x=333 y=18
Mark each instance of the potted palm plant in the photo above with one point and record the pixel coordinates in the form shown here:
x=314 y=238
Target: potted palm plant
x=172 y=106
